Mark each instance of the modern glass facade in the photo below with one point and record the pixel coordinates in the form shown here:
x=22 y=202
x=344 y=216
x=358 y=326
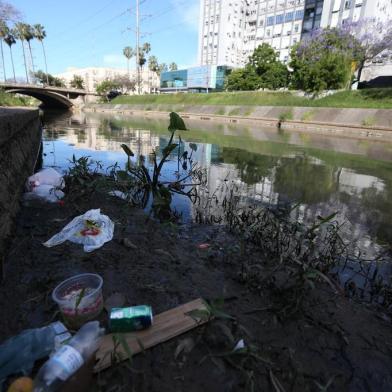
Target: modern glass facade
x=203 y=78
x=174 y=80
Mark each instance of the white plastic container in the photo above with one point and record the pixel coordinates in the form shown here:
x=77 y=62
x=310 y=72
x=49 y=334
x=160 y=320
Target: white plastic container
x=79 y=298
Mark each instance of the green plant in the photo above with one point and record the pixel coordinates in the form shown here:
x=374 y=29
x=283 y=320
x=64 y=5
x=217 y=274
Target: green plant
x=308 y=116
x=369 y=121
x=138 y=183
x=286 y=115
x=221 y=111
x=235 y=112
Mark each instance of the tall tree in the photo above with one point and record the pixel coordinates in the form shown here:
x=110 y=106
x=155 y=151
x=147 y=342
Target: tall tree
x=40 y=35
x=128 y=53
x=10 y=40
x=77 y=82
x=324 y=61
x=143 y=51
x=173 y=66
x=29 y=35
x=373 y=37
x=153 y=67
x=8 y=12
x=19 y=34
x=4 y=30
x=162 y=68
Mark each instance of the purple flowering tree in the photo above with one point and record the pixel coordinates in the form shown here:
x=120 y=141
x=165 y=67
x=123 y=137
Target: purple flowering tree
x=374 y=37
x=8 y=12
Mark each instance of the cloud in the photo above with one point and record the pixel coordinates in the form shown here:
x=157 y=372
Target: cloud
x=114 y=59
x=188 y=12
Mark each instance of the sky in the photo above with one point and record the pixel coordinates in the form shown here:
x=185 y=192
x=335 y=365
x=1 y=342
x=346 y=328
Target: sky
x=93 y=33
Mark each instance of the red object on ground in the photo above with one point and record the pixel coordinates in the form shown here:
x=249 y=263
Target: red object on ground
x=203 y=246
x=61 y=202
x=91 y=231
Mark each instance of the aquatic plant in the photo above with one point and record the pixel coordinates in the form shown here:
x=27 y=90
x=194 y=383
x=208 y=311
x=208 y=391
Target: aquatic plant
x=137 y=182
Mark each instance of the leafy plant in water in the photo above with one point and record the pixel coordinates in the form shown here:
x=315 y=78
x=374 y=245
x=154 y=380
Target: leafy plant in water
x=139 y=183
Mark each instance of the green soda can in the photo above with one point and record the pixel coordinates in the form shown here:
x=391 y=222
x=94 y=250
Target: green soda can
x=130 y=319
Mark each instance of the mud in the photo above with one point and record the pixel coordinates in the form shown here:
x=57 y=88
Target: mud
x=332 y=342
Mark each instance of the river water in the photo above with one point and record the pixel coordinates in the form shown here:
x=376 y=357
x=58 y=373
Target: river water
x=323 y=174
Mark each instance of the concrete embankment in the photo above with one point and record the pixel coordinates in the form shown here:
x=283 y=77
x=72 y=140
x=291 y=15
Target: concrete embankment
x=20 y=138
x=362 y=123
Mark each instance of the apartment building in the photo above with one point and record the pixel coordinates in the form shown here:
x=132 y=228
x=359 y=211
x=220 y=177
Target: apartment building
x=230 y=30
x=92 y=76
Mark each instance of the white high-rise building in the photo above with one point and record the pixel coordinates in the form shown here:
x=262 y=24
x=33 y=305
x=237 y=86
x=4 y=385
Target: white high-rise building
x=230 y=30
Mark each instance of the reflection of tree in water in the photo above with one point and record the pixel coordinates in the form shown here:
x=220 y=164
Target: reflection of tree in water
x=301 y=180
x=81 y=135
x=377 y=205
x=251 y=167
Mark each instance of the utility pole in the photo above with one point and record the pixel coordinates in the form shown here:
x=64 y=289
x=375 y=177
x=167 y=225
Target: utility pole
x=137 y=47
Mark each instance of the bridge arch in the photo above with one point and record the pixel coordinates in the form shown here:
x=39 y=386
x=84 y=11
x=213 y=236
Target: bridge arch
x=48 y=98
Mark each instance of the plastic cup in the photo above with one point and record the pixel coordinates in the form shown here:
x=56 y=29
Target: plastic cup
x=79 y=298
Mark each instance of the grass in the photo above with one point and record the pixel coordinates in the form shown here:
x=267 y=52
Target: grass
x=369 y=98
x=12 y=100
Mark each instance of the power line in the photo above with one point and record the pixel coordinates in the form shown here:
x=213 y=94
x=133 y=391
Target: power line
x=98 y=27
x=86 y=19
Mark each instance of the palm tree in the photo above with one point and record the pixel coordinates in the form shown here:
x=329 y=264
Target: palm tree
x=173 y=67
x=4 y=30
x=29 y=35
x=152 y=66
x=128 y=53
x=10 y=40
x=19 y=34
x=40 y=35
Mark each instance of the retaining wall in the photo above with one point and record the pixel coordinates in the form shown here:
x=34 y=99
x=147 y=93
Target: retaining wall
x=20 y=139
x=362 y=123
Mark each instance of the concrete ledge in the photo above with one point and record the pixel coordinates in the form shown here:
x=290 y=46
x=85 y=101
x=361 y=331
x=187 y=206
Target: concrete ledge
x=333 y=121
x=20 y=138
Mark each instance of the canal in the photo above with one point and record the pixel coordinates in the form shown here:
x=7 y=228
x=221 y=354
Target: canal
x=319 y=174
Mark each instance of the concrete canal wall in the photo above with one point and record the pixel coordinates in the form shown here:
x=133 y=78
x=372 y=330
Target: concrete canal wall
x=362 y=123
x=20 y=138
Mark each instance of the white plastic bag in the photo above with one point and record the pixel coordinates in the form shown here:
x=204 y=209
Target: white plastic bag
x=46 y=192
x=91 y=229
x=46 y=184
x=47 y=176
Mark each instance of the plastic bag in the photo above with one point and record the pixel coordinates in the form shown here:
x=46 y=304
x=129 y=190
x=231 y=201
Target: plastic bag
x=46 y=192
x=19 y=353
x=91 y=229
x=46 y=184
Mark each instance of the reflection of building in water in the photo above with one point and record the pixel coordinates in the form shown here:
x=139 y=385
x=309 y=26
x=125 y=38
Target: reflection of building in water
x=353 y=183
x=94 y=137
x=343 y=193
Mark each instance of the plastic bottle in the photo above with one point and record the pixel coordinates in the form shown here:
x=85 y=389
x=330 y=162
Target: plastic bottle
x=69 y=358
x=18 y=354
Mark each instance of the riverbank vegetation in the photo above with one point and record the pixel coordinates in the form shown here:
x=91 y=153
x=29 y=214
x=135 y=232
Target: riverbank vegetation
x=7 y=99
x=367 y=98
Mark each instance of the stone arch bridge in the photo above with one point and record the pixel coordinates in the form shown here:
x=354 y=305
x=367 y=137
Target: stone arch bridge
x=50 y=96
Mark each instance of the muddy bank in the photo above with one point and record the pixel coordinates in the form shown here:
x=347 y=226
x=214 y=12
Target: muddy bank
x=329 y=339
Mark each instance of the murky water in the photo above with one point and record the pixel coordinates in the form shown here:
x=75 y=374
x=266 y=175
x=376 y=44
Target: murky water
x=324 y=174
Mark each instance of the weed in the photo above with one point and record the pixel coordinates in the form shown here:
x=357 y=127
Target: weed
x=235 y=112
x=138 y=183
x=369 y=121
x=221 y=111
x=308 y=116
x=286 y=115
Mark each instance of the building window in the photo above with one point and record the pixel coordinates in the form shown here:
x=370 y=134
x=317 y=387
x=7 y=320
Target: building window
x=299 y=14
x=289 y=16
x=279 y=19
x=296 y=28
x=270 y=21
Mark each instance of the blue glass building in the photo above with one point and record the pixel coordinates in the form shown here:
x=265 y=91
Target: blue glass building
x=195 y=79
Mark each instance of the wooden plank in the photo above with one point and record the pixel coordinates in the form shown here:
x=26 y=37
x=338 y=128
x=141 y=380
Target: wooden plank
x=166 y=326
